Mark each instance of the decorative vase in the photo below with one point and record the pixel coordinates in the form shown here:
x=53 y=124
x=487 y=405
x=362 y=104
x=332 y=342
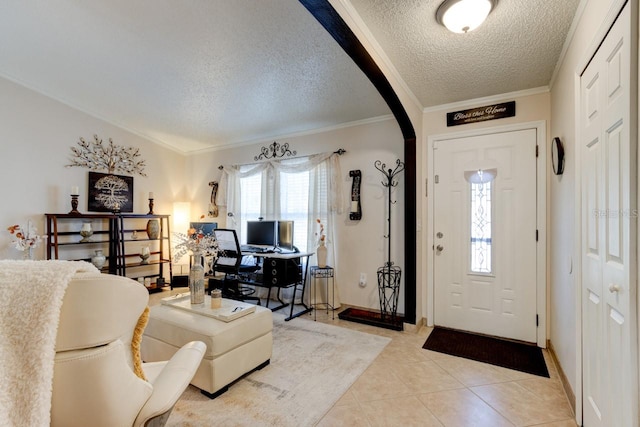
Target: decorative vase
x=27 y=254
x=98 y=259
x=145 y=253
x=153 y=228
x=196 y=279
x=86 y=232
x=321 y=254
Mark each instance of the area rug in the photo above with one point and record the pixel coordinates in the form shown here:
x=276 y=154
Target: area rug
x=507 y=354
x=372 y=318
x=312 y=366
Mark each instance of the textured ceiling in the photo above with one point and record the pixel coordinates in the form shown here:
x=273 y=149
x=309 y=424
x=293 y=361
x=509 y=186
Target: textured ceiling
x=196 y=74
x=516 y=48
x=190 y=74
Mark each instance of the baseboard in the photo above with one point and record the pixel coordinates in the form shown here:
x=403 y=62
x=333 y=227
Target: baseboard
x=410 y=327
x=406 y=327
x=571 y=397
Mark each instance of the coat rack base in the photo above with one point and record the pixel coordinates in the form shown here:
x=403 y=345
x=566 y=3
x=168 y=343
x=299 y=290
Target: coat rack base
x=371 y=318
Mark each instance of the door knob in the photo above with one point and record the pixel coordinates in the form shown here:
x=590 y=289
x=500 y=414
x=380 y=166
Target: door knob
x=614 y=288
x=439 y=248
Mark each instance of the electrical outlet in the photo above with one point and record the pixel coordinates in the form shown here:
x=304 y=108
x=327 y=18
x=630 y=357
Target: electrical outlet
x=363 y=280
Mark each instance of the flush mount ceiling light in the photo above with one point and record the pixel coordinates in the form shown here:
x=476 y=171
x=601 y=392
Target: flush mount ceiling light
x=462 y=16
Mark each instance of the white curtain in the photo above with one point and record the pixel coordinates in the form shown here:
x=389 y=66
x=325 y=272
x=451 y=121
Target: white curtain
x=325 y=202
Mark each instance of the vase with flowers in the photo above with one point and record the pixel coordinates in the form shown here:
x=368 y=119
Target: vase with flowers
x=199 y=245
x=321 y=250
x=26 y=239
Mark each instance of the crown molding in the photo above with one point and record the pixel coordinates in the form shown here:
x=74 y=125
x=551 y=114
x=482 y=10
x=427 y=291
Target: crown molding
x=262 y=140
x=469 y=103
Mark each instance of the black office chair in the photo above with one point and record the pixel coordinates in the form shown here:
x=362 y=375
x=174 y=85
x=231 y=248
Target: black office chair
x=229 y=262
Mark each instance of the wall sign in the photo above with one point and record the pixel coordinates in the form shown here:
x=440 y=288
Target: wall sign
x=481 y=114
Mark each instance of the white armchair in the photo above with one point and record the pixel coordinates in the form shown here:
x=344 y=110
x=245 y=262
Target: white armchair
x=94 y=382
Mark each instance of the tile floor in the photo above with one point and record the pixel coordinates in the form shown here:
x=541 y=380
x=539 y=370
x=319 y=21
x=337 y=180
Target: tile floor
x=409 y=386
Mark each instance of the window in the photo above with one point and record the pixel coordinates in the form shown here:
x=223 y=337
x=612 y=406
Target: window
x=481 y=227
x=297 y=190
x=251 y=201
x=294 y=204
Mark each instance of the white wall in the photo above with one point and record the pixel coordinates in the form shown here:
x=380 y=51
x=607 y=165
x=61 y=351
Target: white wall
x=36 y=134
x=361 y=247
x=563 y=213
x=529 y=108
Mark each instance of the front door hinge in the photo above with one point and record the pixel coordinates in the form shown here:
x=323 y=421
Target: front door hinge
x=537 y=151
x=537 y=320
x=436 y=179
x=536 y=235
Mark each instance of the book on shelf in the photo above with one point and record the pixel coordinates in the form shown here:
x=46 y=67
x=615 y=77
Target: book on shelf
x=230 y=309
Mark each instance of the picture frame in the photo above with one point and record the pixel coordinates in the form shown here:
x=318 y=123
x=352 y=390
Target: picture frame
x=205 y=227
x=110 y=193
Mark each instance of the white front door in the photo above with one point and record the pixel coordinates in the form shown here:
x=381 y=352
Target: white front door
x=609 y=211
x=485 y=234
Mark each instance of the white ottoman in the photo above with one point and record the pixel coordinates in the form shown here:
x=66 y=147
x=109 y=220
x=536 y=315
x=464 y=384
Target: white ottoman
x=233 y=349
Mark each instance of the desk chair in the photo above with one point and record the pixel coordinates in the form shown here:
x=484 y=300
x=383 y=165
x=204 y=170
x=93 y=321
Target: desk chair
x=229 y=262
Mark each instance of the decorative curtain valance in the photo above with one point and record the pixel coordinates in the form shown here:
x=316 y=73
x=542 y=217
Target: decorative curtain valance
x=231 y=174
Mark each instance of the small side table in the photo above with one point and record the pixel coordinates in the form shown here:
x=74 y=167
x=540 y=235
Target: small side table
x=326 y=274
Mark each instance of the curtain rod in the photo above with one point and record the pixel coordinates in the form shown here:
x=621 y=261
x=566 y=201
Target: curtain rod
x=339 y=152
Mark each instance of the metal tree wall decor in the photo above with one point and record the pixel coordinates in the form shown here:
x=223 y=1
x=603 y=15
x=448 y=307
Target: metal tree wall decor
x=274 y=151
x=108 y=192
x=389 y=274
x=111 y=158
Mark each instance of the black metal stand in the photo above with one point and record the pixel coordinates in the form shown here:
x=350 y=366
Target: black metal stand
x=323 y=274
x=389 y=275
x=388 y=291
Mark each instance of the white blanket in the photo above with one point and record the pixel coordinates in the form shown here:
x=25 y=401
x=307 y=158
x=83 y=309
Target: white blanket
x=31 y=294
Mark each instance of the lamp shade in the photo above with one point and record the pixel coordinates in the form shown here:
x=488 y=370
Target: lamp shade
x=462 y=16
x=181 y=216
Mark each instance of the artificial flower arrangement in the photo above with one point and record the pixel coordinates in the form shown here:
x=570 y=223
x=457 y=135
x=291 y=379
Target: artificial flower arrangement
x=25 y=239
x=195 y=241
x=320 y=234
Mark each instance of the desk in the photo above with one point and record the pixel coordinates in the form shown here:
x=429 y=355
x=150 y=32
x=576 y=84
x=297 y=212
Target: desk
x=280 y=270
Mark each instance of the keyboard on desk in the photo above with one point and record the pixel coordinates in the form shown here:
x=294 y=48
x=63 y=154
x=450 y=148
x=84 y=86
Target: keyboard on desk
x=255 y=249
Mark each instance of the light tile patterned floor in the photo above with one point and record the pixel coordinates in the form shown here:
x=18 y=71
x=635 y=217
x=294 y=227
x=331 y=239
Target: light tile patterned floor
x=409 y=386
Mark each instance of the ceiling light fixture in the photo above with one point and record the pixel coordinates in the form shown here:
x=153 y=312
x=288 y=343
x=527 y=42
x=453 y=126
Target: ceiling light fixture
x=462 y=16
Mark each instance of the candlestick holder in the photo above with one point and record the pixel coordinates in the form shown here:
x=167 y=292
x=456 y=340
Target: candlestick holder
x=150 y=207
x=74 y=205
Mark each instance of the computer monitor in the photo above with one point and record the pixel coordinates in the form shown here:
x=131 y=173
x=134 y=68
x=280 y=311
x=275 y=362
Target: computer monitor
x=205 y=227
x=285 y=235
x=261 y=233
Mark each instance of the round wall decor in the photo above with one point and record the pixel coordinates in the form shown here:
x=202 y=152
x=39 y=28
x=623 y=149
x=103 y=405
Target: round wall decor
x=557 y=156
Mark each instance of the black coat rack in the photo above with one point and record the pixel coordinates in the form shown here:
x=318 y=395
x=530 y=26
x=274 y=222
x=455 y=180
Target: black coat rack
x=389 y=275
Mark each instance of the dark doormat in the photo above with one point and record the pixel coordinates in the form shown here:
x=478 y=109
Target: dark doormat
x=371 y=318
x=507 y=354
